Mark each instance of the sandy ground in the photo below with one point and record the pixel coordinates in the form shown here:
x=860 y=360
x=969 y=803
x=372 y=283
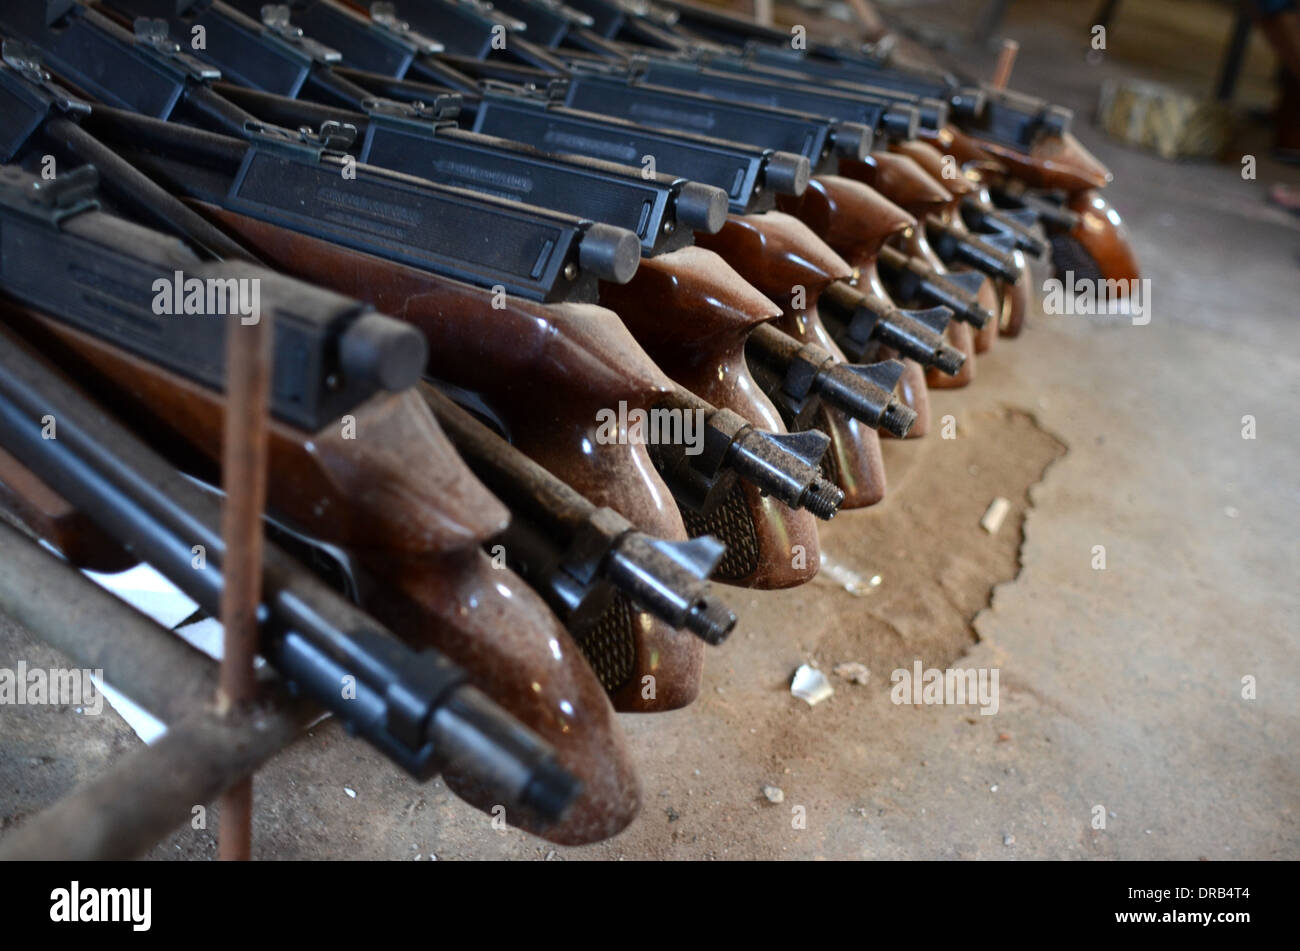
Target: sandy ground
x=1119 y=688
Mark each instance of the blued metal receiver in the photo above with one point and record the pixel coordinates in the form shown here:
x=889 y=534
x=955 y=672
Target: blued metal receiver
x=119 y=281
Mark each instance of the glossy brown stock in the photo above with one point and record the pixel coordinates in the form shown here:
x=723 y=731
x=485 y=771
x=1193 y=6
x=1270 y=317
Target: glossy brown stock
x=996 y=298
x=907 y=184
x=944 y=169
x=856 y=221
x=952 y=141
x=387 y=486
x=901 y=180
x=1056 y=163
x=1015 y=299
x=545 y=370
x=959 y=334
x=785 y=260
x=692 y=313
x=1102 y=234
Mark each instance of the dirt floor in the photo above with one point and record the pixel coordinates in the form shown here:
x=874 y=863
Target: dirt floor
x=1120 y=688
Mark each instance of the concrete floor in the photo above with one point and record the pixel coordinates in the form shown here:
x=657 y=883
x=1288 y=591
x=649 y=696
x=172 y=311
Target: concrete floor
x=1121 y=688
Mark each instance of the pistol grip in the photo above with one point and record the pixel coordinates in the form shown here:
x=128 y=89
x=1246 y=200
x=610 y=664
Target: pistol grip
x=1102 y=235
x=854 y=462
x=912 y=388
x=850 y=215
x=769 y=544
x=515 y=650
x=407 y=490
x=551 y=373
x=1055 y=163
x=625 y=646
x=692 y=313
x=962 y=337
x=951 y=141
x=549 y=422
x=899 y=179
x=931 y=161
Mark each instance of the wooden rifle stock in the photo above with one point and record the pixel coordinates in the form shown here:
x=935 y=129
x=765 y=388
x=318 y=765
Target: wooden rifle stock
x=30 y=502
x=692 y=313
x=1103 y=238
x=400 y=500
x=786 y=261
x=993 y=295
x=544 y=371
x=900 y=180
x=1054 y=162
x=1061 y=163
x=856 y=221
x=907 y=185
x=951 y=140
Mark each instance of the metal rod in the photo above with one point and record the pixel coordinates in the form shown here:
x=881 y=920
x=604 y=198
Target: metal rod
x=244 y=463
x=98 y=631
x=124 y=812
x=1006 y=60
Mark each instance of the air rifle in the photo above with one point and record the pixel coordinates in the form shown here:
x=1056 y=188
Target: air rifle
x=968 y=234
x=300 y=182
x=856 y=222
x=784 y=260
x=133 y=285
x=394 y=495
x=284 y=193
x=607 y=90
x=995 y=116
x=417 y=707
x=542 y=374
x=40 y=118
x=694 y=316
x=906 y=184
x=307 y=180
x=590 y=87
x=341 y=349
x=655 y=60
x=424 y=139
x=751 y=176
x=1028 y=137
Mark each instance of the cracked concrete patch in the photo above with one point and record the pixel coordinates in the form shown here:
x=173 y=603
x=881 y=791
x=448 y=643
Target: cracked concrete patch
x=938 y=566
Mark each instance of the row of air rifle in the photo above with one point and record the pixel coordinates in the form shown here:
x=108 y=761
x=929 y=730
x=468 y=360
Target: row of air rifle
x=482 y=233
